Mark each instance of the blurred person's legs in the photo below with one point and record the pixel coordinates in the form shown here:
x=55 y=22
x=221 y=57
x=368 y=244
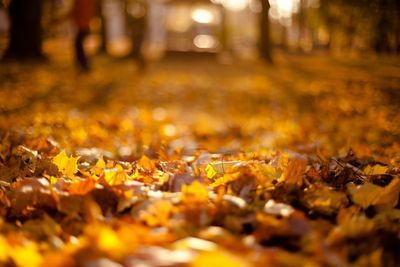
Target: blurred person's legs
x=81 y=57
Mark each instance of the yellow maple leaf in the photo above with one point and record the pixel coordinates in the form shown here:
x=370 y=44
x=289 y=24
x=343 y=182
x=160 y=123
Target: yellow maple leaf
x=66 y=165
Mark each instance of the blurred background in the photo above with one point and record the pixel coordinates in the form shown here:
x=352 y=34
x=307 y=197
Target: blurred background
x=226 y=28
x=198 y=73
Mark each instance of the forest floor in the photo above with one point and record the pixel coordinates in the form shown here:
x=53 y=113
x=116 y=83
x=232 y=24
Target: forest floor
x=195 y=162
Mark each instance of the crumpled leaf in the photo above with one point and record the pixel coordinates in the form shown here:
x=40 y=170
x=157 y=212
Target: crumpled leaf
x=66 y=165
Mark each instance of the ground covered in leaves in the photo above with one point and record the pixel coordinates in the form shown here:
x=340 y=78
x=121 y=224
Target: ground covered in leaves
x=201 y=164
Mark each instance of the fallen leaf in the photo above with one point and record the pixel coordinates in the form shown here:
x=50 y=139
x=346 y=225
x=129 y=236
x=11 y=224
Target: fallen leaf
x=376 y=169
x=369 y=194
x=66 y=165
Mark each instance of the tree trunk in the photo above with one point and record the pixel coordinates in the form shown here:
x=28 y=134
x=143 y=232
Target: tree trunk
x=103 y=32
x=25 y=30
x=382 y=43
x=265 y=41
x=224 y=34
x=302 y=22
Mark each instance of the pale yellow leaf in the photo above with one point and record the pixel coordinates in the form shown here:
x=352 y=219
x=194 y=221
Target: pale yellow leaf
x=376 y=169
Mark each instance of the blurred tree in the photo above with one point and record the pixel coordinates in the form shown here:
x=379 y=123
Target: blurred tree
x=265 y=40
x=374 y=23
x=103 y=29
x=136 y=20
x=387 y=25
x=301 y=16
x=25 y=30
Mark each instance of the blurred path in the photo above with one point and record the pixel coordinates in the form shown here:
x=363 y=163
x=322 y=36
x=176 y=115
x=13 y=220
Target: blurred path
x=302 y=102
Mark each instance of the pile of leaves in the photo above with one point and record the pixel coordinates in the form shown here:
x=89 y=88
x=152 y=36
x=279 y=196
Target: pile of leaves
x=280 y=208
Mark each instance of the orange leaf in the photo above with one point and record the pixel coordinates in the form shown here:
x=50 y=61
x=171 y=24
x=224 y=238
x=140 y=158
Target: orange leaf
x=82 y=187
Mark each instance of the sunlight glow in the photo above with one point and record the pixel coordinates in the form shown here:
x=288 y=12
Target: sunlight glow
x=204 y=41
x=285 y=8
x=233 y=5
x=178 y=19
x=169 y=130
x=202 y=16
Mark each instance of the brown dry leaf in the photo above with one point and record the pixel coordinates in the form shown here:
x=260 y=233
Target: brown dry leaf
x=324 y=200
x=369 y=194
x=32 y=193
x=8 y=173
x=295 y=170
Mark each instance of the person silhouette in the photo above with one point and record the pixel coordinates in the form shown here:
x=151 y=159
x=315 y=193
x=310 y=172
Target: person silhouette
x=82 y=13
x=137 y=20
